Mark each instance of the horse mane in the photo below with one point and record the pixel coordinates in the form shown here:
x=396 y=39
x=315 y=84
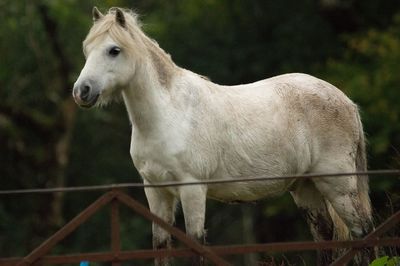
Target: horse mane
x=133 y=40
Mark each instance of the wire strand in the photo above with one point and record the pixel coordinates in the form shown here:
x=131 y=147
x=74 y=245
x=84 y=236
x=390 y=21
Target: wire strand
x=392 y=172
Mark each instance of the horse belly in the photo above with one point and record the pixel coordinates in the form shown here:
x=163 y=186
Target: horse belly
x=248 y=191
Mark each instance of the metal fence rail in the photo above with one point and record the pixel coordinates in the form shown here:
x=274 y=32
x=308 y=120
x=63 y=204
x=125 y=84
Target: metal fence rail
x=219 y=250
x=214 y=254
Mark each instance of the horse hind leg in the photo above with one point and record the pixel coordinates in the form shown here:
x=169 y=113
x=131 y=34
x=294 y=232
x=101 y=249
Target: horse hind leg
x=310 y=200
x=342 y=193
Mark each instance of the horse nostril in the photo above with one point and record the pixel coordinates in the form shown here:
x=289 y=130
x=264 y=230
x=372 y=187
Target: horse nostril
x=85 y=91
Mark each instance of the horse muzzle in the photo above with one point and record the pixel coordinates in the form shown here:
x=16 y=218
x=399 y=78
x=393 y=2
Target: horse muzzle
x=86 y=93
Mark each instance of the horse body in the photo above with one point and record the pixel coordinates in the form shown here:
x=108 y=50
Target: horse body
x=186 y=128
x=268 y=128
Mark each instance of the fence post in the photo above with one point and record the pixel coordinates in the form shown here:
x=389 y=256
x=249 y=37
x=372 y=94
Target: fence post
x=115 y=231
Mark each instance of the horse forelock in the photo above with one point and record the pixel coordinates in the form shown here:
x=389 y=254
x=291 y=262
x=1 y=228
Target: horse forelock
x=133 y=40
x=129 y=37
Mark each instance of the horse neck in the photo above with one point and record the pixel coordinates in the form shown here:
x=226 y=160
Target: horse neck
x=147 y=96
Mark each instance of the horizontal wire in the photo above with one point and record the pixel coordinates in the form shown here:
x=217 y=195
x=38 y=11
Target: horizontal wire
x=393 y=172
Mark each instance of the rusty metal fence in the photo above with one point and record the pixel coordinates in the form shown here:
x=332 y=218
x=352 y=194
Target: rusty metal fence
x=214 y=254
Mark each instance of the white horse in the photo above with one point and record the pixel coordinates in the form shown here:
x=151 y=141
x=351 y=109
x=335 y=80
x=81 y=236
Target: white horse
x=187 y=128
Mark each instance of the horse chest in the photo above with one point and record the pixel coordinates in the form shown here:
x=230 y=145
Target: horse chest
x=155 y=158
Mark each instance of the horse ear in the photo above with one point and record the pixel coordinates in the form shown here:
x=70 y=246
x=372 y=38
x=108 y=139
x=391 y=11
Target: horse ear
x=119 y=16
x=96 y=14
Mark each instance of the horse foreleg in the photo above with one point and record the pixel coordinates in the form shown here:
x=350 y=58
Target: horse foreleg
x=193 y=200
x=162 y=204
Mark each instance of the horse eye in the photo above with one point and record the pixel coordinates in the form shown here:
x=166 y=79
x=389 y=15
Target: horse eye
x=114 y=51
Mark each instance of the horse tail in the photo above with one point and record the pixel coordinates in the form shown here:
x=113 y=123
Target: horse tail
x=340 y=229
x=363 y=184
x=361 y=166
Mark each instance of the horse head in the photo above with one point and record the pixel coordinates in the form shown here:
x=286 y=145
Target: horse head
x=111 y=54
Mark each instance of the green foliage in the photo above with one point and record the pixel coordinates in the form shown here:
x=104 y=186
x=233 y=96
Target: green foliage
x=255 y=37
x=386 y=261
x=369 y=75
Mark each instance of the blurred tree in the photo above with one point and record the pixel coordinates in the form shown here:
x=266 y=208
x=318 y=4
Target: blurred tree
x=37 y=114
x=369 y=74
x=41 y=58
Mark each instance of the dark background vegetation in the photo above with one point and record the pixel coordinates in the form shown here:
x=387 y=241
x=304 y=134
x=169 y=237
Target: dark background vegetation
x=46 y=141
